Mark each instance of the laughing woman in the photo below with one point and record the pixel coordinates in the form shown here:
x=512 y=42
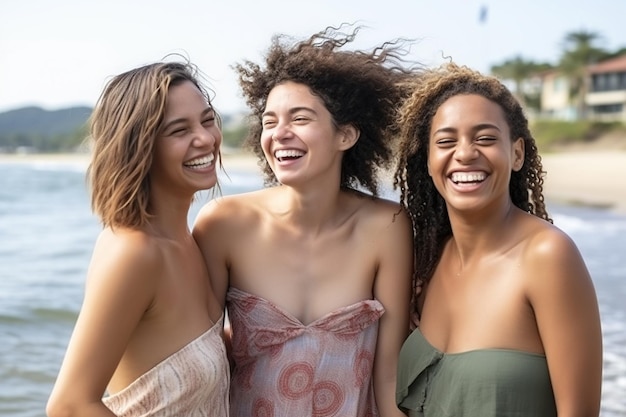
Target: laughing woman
x=509 y=323
x=150 y=329
x=317 y=273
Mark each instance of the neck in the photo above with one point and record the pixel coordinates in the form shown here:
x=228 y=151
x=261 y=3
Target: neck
x=170 y=217
x=311 y=212
x=475 y=234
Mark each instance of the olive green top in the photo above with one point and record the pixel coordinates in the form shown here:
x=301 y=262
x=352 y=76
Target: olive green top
x=478 y=383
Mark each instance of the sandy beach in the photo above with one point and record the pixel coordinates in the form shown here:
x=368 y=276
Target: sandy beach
x=592 y=178
x=588 y=177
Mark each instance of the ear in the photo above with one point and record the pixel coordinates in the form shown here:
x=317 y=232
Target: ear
x=349 y=136
x=518 y=154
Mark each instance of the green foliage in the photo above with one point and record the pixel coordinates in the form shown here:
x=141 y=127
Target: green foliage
x=234 y=136
x=67 y=142
x=65 y=130
x=549 y=134
x=41 y=130
x=518 y=70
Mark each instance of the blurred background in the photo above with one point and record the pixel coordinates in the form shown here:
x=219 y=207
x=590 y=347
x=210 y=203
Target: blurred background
x=564 y=60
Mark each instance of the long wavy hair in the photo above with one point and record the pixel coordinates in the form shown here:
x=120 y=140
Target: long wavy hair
x=361 y=88
x=124 y=126
x=425 y=205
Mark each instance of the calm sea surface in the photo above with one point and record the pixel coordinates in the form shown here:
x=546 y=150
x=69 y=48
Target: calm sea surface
x=47 y=233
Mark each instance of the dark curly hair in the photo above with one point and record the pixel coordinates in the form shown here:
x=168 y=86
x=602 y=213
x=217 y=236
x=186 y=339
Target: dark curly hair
x=357 y=87
x=419 y=196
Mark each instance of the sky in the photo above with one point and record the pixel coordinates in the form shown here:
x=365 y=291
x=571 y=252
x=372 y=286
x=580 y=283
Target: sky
x=58 y=54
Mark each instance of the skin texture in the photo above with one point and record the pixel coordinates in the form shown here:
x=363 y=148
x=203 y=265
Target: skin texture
x=289 y=243
x=505 y=278
x=147 y=292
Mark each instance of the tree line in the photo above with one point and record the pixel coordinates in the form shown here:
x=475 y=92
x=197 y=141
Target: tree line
x=579 y=50
x=30 y=130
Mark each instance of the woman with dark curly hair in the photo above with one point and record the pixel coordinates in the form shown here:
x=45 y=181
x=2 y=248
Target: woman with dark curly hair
x=316 y=268
x=509 y=322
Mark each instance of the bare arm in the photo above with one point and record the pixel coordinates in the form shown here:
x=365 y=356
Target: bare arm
x=211 y=233
x=117 y=293
x=210 y=230
x=565 y=305
x=393 y=289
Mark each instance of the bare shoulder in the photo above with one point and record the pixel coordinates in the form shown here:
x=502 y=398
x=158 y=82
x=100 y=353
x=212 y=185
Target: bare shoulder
x=551 y=257
x=230 y=209
x=222 y=221
x=381 y=212
x=126 y=253
x=547 y=243
x=132 y=243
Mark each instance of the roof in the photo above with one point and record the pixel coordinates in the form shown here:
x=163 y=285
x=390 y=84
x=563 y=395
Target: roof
x=617 y=64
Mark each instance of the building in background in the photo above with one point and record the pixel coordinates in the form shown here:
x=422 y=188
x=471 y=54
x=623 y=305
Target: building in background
x=606 y=96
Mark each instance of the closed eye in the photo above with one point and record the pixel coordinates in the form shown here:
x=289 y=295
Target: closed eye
x=486 y=140
x=179 y=131
x=268 y=123
x=445 y=142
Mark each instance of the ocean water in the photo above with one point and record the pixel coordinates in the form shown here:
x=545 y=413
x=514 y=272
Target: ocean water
x=47 y=233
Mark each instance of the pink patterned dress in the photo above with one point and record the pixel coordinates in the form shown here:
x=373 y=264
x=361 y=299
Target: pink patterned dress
x=284 y=368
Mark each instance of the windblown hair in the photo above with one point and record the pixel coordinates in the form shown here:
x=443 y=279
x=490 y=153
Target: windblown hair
x=425 y=205
x=124 y=126
x=358 y=88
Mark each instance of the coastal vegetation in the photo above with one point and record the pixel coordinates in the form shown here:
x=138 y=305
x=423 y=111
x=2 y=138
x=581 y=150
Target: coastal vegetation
x=35 y=130
x=40 y=137
x=553 y=135
x=579 y=50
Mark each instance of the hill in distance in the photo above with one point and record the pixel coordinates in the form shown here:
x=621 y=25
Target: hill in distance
x=36 y=121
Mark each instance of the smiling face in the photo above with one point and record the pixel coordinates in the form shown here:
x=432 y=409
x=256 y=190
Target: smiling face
x=471 y=154
x=299 y=138
x=187 y=147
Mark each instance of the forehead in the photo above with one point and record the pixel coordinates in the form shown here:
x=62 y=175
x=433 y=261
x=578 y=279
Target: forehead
x=464 y=109
x=184 y=96
x=293 y=94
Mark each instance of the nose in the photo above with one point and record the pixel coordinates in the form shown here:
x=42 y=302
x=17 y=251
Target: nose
x=206 y=136
x=465 y=151
x=280 y=132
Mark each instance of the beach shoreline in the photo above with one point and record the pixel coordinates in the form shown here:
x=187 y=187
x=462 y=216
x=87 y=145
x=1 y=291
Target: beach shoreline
x=587 y=178
x=580 y=177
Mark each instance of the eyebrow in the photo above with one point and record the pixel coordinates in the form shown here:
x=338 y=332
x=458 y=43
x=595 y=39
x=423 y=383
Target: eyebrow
x=291 y=111
x=182 y=119
x=480 y=126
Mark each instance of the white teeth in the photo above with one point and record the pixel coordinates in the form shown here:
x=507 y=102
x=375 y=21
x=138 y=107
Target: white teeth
x=200 y=162
x=288 y=153
x=458 y=177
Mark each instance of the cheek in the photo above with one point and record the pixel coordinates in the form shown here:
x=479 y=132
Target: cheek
x=218 y=136
x=435 y=165
x=266 y=142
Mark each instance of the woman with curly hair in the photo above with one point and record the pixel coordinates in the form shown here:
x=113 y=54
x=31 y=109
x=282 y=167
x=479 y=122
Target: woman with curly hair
x=508 y=317
x=316 y=268
x=150 y=330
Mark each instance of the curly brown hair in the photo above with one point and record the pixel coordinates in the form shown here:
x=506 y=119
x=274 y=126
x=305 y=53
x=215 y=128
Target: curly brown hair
x=124 y=126
x=423 y=202
x=360 y=88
